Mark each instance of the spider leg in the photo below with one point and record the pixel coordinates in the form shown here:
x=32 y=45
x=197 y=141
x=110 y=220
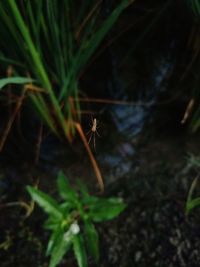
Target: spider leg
x=98 y=133
x=94 y=143
x=91 y=119
x=90 y=137
x=88 y=132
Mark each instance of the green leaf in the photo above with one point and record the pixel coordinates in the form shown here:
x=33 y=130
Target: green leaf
x=66 y=208
x=55 y=236
x=83 y=189
x=92 y=240
x=59 y=247
x=65 y=191
x=49 y=205
x=106 y=209
x=79 y=251
x=52 y=223
x=15 y=80
x=191 y=204
x=90 y=200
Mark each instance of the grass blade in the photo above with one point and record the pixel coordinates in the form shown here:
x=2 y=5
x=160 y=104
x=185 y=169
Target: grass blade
x=15 y=80
x=97 y=37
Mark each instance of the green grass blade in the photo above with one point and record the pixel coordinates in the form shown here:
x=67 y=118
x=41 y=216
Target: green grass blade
x=33 y=51
x=15 y=80
x=43 y=110
x=97 y=37
x=88 y=47
x=38 y=68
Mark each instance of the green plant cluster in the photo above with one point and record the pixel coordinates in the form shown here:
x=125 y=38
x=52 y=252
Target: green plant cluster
x=52 y=42
x=72 y=220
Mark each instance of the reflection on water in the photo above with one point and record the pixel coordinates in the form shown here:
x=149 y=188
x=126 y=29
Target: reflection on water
x=129 y=120
x=117 y=162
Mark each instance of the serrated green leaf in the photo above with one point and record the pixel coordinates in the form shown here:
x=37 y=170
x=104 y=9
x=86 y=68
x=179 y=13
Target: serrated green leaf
x=106 y=209
x=46 y=202
x=79 y=250
x=92 y=240
x=14 y=80
x=65 y=191
x=60 y=248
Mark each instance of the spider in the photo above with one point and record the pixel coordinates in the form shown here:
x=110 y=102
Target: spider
x=93 y=131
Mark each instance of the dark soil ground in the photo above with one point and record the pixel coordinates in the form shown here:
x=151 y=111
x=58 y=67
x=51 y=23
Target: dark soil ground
x=154 y=230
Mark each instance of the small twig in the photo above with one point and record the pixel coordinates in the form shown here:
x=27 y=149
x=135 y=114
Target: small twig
x=11 y=120
x=28 y=207
x=91 y=156
x=38 y=144
x=188 y=110
x=86 y=19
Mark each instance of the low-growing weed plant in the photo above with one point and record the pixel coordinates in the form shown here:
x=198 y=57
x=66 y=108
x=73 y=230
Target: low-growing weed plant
x=71 y=221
